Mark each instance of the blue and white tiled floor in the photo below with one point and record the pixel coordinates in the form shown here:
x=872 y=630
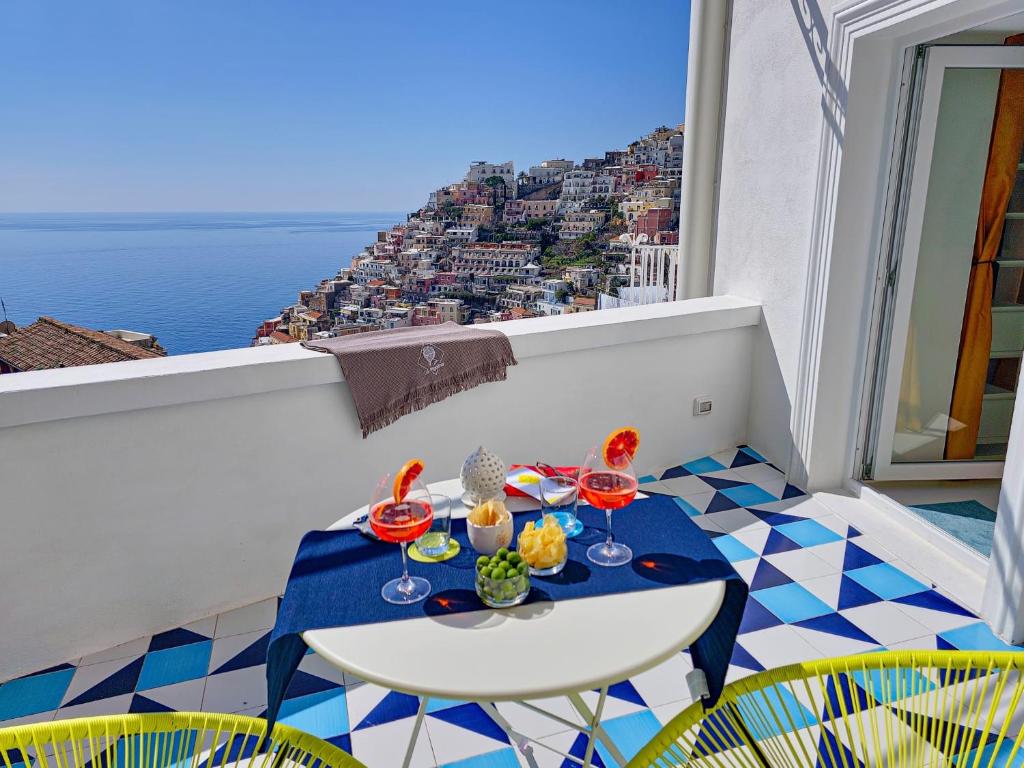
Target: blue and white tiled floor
x=818 y=588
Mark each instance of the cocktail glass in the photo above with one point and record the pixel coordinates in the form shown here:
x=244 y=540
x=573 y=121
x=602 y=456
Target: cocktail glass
x=401 y=521
x=608 y=488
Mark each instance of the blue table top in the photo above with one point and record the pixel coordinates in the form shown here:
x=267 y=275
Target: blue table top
x=669 y=550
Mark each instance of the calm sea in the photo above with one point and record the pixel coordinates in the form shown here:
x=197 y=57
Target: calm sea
x=197 y=281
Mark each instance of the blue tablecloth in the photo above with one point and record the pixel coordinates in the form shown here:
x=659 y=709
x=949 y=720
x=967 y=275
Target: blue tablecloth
x=337 y=576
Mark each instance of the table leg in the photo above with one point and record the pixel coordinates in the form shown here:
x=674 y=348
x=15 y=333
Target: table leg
x=415 y=732
x=592 y=728
x=522 y=742
x=593 y=719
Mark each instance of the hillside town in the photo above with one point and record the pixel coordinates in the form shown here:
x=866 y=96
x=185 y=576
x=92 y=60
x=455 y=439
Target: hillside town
x=555 y=239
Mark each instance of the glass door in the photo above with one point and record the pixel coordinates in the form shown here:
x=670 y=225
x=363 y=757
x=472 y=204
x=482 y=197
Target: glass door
x=954 y=322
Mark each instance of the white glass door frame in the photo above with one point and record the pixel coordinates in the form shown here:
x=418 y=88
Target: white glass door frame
x=937 y=60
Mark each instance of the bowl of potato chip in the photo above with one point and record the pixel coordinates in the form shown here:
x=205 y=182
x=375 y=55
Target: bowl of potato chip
x=543 y=546
x=489 y=527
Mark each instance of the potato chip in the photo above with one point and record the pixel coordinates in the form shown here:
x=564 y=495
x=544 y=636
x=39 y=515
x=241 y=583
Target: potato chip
x=489 y=513
x=544 y=546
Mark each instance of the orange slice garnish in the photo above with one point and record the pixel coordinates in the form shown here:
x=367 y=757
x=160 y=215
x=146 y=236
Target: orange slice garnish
x=620 y=447
x=406 y=477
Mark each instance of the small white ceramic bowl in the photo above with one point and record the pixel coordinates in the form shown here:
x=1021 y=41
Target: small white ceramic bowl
x=488 y=539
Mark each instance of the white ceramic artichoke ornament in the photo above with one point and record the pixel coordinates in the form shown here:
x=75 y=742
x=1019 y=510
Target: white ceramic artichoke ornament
x=483 y=476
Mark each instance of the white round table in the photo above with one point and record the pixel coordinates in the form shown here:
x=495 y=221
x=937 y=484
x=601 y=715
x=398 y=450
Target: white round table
x=527 y=652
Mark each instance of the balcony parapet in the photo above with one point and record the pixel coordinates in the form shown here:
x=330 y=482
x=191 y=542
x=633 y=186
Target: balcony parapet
x=65 y=393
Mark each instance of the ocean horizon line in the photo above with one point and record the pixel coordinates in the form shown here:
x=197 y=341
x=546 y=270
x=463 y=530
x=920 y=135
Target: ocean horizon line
x=197 y=213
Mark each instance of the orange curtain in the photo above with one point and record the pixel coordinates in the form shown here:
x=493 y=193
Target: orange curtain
x=976 y=335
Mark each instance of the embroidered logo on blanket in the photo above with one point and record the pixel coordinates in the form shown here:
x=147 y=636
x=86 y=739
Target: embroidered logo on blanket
x=432 y=359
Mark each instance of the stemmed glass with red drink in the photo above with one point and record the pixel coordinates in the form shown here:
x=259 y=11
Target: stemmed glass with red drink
x=607 y=481
x=401 y=512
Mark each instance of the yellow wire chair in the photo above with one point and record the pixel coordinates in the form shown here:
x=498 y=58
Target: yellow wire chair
x=894 y=708
x=165 y=740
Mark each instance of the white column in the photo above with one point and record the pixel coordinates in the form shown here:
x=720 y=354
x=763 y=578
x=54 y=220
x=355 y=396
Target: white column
x=1003 y=602
x=705 y=68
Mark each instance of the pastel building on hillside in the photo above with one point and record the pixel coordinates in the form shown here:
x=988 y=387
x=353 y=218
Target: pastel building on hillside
x=494 y=258
x=367 y=270
x=575 y=224
x=514 y=212
x=555 y=289
x=548 y=172
x=582 y=304
x=464 y=233
x=471 y=193
x=423 y=314
x=579 y=186
x=582 y=277
x=449 y=310
x=539 y=209
x=477 y=215
x=303 y=325
x=629 y=209
x=651 y=222
x=480 y=171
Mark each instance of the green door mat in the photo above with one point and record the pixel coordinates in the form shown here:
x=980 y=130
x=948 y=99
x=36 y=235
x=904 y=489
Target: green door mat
x=969 y=521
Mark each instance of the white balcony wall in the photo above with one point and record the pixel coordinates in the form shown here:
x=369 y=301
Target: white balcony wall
x=770 y=142
x=140 y=496
x=808 y=125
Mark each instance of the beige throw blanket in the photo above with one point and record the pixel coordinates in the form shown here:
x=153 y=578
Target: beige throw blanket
x=392 y=373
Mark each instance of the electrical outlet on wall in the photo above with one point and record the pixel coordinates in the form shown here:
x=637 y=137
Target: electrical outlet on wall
x=702 y=406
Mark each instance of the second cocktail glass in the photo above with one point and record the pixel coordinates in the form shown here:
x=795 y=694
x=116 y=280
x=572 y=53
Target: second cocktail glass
x=608 y=486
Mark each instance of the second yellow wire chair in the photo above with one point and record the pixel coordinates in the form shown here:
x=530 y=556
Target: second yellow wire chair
x=165 y=740
x=894 y=708
x=904 y=708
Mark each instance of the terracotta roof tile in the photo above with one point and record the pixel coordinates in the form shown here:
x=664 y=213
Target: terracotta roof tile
x=49 y=343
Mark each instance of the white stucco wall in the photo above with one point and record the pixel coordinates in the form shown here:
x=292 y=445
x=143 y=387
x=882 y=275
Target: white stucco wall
x=771 y=135
x=808 y=130
x=140 y=496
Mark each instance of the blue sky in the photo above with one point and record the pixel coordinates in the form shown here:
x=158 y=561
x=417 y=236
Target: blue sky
x=316 y=105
